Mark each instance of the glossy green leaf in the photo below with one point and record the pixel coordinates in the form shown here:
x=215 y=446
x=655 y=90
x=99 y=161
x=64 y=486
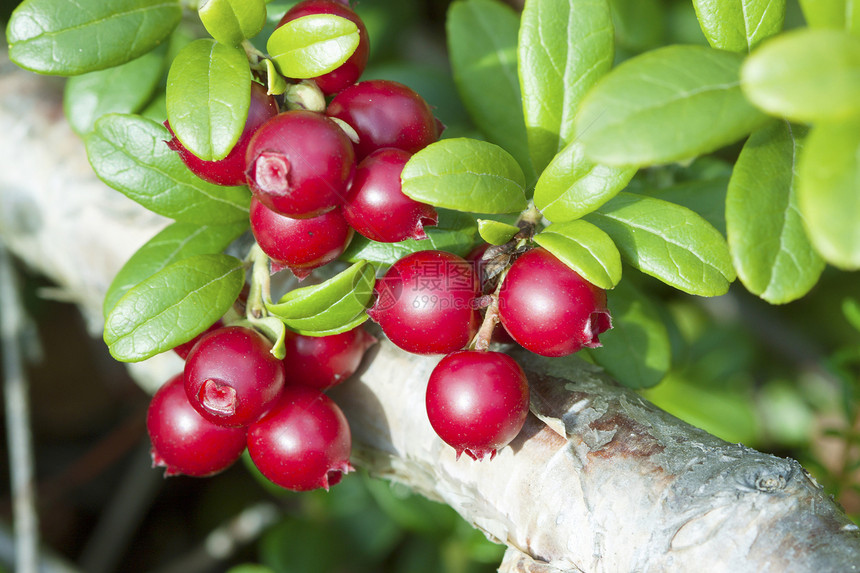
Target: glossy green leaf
x=668 y=242
x=840 y=14
x=273 y=329
x=122 y=89
x=173 y=306
x=636 y=350
x=231 y=21
x=584 y=248
x=828 y=183
x=739 y=25
x=639 y=24
x=496 y=232
x=332 y=307
x=669 y=104
x=175 y=242
x=275 y=82
x=707 y=197
x=70 y=37
x=565 y=46
x=482 y=43
x=129 y=153
x=806 y=76
x=773 y=257
x=311 y=46
x=465 y=175
x=208 y=96
x=572 y=185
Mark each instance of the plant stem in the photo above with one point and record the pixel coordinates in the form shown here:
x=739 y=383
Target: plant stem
x=260 y=284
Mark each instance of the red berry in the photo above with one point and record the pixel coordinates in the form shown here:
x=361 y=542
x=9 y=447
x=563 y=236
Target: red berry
x=183 y=441
x=477 y=402
x=299 y=244
x=231 y=169
x=231 y=377
x=183 y=349
x=386 y=114
x=299 y=164
x=376 y=206
x=426 y=304
x=325 y=361
x=349 y=72
x=548 y=308
x=303 y=443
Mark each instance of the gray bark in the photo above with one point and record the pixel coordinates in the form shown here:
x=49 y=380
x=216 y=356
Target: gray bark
x=598 y=480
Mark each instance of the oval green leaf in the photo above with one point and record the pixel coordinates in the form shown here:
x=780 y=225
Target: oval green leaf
x=707 y=197
x=806 y=76
x=572 y=185
x=771 y=252
x=827 y=189
x=465 y=175
x=496 y=232
x=311 y=46
x=332 y=307
x=70 y=37
x=584 y=248
x=669 y=242
x=669 y=104
x=231 y=21
x=565 y=46
x=175 y=242
x=129 y=153
x=208 y=96
x=173 y=306
x=640 y=25
x=739 y=26
x=840 y=14
x=482 y=43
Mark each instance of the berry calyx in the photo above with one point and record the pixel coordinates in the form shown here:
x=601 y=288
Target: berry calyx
x=231 y=169
x=548 y=308
x=303 y=443
x=325 y=361
x=385 y=113
x=477 y=402
x=299 y=164
x=183 y=442
x=231 y=377
x=376 y=206
x=426 y=304
x=299 y=244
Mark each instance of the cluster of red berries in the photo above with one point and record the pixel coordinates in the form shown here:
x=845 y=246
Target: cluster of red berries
x=233 y=394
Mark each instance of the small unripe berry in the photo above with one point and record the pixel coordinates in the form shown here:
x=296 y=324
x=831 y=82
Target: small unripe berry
x=325 y=361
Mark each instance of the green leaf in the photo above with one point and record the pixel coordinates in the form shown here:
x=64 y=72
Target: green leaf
x=231 y=21
x=496 y=232
x=122 y=89
x=840 y=14
x=128 y=153
x=773 y=257
x=636 y=350
x=585 y=249
x=670 y=104
x=740 y=25
x=639 y=24
x=173 y=306
x=806 y=76
x=668 y=242
x=208 y=96
x=851 y=310
x=332 y=307
x=275 y=82
x=482 y=43
x=311 y=46
x=70 y=37
x=175 y=242
x=572 y=185
x=465 y=175
x=707 y=197
x=827 y=189
x=565 y=46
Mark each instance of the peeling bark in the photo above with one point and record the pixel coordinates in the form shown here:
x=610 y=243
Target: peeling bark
x=598 y=480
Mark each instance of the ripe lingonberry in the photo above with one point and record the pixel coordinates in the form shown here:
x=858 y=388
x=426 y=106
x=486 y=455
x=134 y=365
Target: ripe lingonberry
x=303 y=443
x=231 y=377
x=299 y=244
x=348 y=72
x=183 y=442
x=183 y=349
x=231 y=169
x=376 y=206
x=548 y=308
x=426 y=303
x=299 y=164
x=477 y=402
x=325 y=361
x=386 y=114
